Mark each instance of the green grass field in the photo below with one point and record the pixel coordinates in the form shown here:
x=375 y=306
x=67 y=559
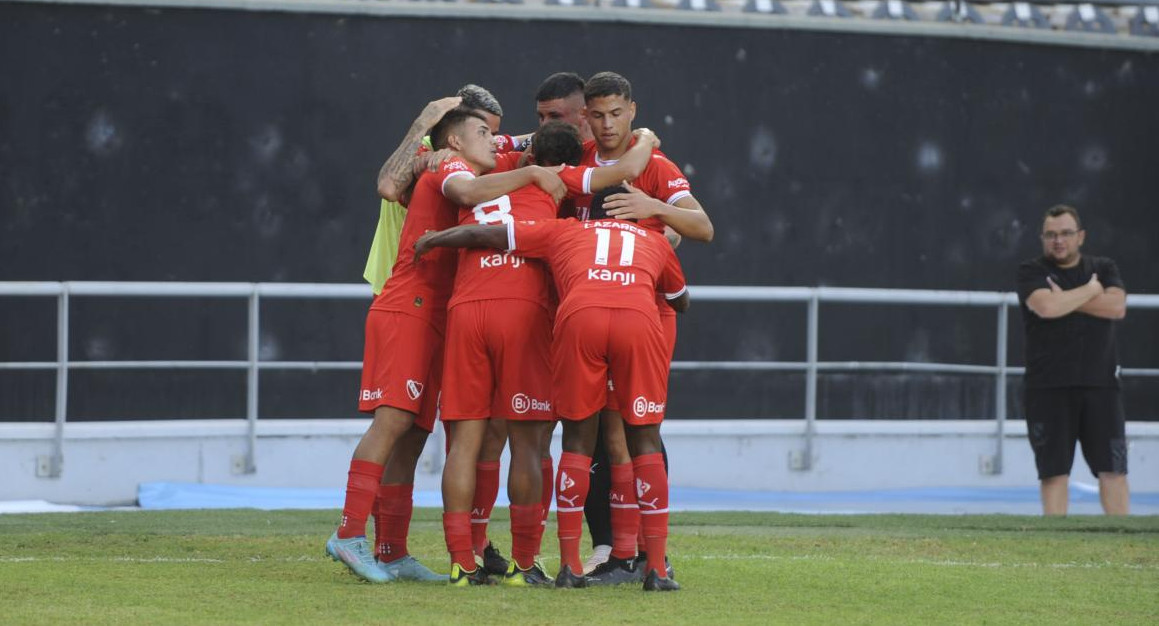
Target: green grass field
x=255 y=566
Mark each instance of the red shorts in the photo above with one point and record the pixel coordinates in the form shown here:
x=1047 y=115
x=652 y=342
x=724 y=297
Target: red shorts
x=595 y=344
x=668 y=321
x=498 y=361
x=402 y=364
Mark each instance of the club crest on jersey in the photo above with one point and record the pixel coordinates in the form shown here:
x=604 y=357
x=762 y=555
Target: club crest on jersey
x=414 y=389
x=608 y=276
x=642 y=488
x=641 y=406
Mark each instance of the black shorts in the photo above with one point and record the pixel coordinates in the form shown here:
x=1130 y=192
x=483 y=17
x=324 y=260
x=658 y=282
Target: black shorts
x=1056 y=418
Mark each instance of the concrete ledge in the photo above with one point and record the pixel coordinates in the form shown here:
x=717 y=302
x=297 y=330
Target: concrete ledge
x=104 y=462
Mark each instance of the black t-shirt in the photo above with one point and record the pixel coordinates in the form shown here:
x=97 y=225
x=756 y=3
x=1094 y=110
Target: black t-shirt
x=1075 y=350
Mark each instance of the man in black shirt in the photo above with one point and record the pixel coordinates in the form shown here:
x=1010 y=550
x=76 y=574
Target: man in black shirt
x=1069 y=305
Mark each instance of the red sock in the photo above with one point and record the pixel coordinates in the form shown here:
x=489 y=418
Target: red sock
x=625 y=512
x=548 y=496
x=525 y=533
x=652 y=497
x=361 y=487
x=457 y=530
x=571 y=492
x=486 y=490
x=392 y=513
x=545 y=468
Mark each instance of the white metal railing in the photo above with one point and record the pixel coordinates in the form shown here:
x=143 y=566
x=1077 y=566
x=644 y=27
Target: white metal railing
x=254 y=292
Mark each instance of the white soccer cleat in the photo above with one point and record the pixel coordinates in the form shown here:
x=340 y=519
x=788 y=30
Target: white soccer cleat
x=599 y=556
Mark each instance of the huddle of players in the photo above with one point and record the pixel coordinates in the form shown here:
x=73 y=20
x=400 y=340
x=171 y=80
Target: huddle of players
x=618 y=283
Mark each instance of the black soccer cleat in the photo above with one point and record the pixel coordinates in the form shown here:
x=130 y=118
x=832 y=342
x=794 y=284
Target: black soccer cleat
x=653 y=582
x=567 y=580
x=641 y=564
x=616 y=571
x=493 y=561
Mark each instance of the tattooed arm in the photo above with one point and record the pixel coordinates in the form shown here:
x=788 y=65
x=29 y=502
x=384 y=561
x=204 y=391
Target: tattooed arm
x=397 y=173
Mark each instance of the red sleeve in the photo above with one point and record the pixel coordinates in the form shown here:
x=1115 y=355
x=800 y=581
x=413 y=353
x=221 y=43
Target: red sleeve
x=506 y=161
x=449 y=169
x=671 y=281
x=532 y=238
x=506 y=143
x=664 y=181
x=578 y=180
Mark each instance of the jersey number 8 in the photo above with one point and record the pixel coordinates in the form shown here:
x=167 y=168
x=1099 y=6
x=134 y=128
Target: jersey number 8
x=501 y=213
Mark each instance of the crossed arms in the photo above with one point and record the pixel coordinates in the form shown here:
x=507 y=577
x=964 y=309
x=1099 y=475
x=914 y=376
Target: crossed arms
x=1091 y=299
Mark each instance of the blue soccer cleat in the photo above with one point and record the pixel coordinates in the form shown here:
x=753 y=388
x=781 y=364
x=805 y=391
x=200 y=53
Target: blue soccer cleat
x=409 y=568
x=355 y=553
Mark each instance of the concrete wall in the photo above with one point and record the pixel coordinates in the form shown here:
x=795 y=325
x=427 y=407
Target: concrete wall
x=104 y=462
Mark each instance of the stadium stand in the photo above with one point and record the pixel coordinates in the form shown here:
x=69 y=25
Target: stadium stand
x=770 y=7
x=828 y=8
x=1025 y=15
x=893 y=10
x=1145 y=23
x=959 y=11
x=1089 y=18
x=698 y=5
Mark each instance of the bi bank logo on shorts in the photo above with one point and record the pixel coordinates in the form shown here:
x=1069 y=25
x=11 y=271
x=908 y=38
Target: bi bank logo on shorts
x=641 y=406
x=368 y=395
x=414 y=389
x=521 y=404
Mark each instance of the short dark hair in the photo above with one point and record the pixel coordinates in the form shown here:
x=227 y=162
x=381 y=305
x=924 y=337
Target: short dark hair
x=597 y=212
x=607 y=84
x=559 y=85
x=557 y=143
x=1064 y=209
x=450 y=123
x=475 y=97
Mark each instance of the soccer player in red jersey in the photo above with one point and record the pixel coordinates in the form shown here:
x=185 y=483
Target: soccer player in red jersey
x=405 y=324
x=395 y=503
x=607 y=272
x=497 y=356
x=661 y=199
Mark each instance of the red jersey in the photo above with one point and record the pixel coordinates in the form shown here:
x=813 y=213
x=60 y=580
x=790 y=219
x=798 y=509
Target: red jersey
x=661 y=179
x=423 y=289
x=613 y=264
x=486 y=274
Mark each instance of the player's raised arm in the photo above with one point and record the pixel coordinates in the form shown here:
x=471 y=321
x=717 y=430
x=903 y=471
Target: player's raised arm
x=466 y=236
x=686 y=216
x=397 y=174
x=471 y=191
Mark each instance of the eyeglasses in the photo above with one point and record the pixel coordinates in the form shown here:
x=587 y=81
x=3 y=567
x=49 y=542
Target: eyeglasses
x=1050 y=235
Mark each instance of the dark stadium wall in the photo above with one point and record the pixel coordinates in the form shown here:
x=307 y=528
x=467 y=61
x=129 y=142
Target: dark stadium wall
x=212 y=145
